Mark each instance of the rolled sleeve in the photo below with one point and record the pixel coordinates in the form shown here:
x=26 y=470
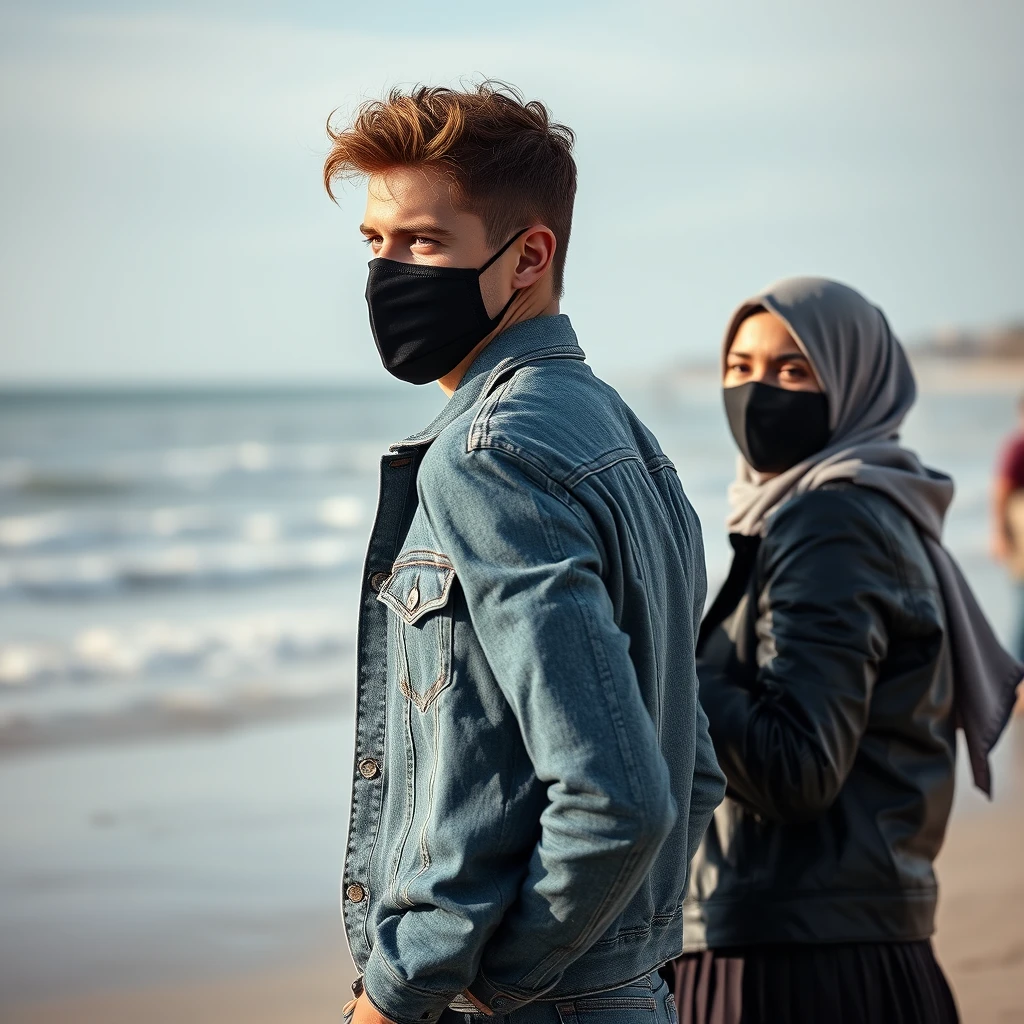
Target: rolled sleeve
x=398 y=999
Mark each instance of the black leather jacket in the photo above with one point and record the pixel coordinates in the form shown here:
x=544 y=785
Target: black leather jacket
x=829 y=694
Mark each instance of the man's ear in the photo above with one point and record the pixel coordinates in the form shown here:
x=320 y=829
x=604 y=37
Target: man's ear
x=536 y=252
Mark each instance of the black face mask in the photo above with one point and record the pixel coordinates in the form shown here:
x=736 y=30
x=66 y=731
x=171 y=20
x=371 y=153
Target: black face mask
x=426 y=320
x=775 y=428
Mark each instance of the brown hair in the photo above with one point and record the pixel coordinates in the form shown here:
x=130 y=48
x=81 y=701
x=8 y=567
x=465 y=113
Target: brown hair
x=508 y=162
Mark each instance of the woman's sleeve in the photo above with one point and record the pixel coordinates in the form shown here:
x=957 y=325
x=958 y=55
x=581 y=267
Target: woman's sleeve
x=708 y=786
x=788 y=744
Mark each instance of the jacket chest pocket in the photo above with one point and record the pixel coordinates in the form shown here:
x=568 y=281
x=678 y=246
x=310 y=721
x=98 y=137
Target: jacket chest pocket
x=418 y=593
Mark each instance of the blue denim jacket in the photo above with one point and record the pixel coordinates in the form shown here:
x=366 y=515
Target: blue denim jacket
x=533 y=771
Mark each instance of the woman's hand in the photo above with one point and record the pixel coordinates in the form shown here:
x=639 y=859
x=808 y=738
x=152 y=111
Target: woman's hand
x=362 y=1011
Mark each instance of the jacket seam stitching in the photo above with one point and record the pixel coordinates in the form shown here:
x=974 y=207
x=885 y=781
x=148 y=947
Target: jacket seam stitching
x=480 y=428
x=425 y=860
x=393 y=543
x=601 y=463
x=551 y=485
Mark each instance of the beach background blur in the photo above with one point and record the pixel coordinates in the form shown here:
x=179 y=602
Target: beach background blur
x=192 y=416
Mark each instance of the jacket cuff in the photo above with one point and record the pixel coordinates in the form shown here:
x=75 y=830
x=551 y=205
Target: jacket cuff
x=492 y=1000
x=397 y=999
x=728 y=707
x=497 y=1001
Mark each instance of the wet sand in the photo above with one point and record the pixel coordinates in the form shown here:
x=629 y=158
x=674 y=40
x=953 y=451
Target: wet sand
x=202 y=888
x=980 y=937
x=309 y=993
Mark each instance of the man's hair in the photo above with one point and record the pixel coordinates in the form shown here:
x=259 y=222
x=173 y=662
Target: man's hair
x=507 y=161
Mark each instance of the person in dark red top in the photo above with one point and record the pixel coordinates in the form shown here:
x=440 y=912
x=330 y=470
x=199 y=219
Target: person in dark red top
x=1008 y=512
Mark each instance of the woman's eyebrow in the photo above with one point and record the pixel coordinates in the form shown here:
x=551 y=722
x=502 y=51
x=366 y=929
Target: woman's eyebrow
x=789 y=357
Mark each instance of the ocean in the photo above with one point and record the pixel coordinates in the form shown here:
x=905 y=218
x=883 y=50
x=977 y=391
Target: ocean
x=175 y=560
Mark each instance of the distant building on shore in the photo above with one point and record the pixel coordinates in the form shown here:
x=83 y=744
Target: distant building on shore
x=1006 y=342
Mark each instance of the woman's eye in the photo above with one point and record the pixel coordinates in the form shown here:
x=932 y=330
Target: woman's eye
x=794 y=372
x=739 y=368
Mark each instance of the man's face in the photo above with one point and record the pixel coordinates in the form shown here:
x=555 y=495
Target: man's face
x=410 y=218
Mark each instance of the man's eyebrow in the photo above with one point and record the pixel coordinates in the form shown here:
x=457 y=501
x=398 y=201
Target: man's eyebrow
x=426 y=229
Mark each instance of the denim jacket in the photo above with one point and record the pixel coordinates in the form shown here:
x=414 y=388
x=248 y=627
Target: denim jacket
x=533 y=771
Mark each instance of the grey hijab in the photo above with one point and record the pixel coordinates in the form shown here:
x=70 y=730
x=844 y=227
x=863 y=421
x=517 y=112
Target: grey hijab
x=864 y=372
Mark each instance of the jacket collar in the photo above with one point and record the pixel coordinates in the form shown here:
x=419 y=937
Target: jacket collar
x=543 y=337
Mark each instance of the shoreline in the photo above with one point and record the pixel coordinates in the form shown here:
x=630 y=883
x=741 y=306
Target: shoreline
x=934 y=374
x=143 y=723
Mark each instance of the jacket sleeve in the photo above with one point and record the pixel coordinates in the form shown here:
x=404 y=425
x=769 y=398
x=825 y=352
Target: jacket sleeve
x=788 y=744
x=529 y=563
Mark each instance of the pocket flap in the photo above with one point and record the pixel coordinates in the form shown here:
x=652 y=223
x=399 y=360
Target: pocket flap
x=420 y=582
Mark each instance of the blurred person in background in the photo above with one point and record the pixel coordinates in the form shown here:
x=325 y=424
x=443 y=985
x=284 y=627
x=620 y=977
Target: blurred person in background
x=1008 y=515
x=835 y=666
x=532 y=771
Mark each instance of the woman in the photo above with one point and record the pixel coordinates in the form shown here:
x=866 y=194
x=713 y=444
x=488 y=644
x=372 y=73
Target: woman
x=835 y=665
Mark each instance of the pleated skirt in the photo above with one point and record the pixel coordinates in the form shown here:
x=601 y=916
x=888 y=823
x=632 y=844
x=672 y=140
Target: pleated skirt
x=857 y=983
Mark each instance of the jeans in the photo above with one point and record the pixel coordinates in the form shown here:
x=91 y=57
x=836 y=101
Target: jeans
x=644 y=1001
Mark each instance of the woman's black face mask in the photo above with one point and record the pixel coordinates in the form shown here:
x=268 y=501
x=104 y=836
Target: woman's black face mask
x=775 y=428
x=426 y=320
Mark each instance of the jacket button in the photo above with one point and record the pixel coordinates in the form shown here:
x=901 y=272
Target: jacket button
x=377 y=580
x=369 y=768
x=413 y=599
x=356 y=893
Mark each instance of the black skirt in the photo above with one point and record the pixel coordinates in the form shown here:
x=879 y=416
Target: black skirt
x=857 y=983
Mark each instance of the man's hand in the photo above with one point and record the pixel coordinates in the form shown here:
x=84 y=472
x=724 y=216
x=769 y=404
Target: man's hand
x=364 y=1012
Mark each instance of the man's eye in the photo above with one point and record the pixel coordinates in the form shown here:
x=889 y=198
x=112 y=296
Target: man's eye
x=373 y=240
x=421 y=240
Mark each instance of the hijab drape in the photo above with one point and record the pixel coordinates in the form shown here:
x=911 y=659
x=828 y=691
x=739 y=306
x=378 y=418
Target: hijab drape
x=864 y=372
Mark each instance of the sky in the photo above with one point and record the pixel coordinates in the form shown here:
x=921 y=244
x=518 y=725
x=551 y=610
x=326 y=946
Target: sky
x=164 y=219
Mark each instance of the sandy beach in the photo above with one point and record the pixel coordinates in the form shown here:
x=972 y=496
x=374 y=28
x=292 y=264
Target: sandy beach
x=182 y=892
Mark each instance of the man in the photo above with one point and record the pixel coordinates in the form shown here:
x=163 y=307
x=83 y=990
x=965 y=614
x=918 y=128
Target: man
x=533 y=772
x=1008 y=514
